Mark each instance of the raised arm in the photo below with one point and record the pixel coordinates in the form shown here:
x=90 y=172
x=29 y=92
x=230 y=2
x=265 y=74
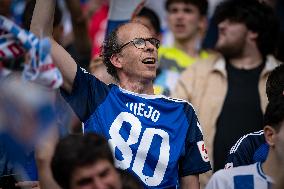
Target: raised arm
x=42 y=26
x=81 y=39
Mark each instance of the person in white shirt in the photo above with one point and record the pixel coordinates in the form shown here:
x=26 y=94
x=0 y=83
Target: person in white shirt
x=258 y=175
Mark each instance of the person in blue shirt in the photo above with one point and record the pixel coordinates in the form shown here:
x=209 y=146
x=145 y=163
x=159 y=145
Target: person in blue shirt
x=157 y=139
x=252 y=147
x=260 y=175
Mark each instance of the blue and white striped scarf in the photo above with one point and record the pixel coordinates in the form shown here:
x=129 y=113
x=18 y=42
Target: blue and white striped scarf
x=15 y=42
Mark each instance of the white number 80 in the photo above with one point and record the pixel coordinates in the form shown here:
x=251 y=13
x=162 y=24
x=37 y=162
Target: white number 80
x=139 y=160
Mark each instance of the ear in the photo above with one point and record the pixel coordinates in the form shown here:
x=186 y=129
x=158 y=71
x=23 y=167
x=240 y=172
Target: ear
x=252 y=35
x=269 y=134
x=116 y=60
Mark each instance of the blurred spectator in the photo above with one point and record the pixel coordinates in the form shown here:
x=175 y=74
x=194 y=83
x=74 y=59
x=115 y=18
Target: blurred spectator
x=229 y=91
x=79 y=50
x=82 y=161
x=259 y=175
x=34 y=112
x=187 y=21
x=18 y=148
x=96 y=12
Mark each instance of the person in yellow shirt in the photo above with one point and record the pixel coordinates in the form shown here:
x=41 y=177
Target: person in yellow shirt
x=187 y=21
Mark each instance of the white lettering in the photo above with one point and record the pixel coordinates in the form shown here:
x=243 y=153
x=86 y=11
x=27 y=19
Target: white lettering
x=155 y=116
x=143 y=110
x=140 y=109
x=149 y=112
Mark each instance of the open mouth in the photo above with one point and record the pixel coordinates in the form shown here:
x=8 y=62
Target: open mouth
x=149 y=61
x=179 y=26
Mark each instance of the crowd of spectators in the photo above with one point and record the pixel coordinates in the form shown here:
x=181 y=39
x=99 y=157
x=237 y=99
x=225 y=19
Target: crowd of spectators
x=154 y=94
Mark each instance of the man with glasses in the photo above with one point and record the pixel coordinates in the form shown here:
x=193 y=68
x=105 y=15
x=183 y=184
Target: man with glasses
x=157 y=139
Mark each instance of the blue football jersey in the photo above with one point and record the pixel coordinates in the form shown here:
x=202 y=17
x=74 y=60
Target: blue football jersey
x=248 y=149
x=242 y=177
x=156 y=138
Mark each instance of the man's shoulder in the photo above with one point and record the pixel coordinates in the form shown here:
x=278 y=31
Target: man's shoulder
x=179 y=101
x=252 y=139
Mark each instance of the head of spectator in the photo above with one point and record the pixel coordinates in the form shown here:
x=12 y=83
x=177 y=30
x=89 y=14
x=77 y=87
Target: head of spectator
x=150 y=19
x=274 y=132
x=98 y=69
x=57 y=22
x=130 y=54
x=187 y=18
x=275 y=83
x=84 y=161
x=245 y=25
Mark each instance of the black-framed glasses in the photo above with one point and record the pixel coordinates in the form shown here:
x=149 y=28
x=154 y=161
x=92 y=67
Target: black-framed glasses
x=140 y=43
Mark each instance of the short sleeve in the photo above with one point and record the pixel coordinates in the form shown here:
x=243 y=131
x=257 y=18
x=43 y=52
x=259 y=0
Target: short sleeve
x=243 y=152
x=87 y=94
x=195 y=159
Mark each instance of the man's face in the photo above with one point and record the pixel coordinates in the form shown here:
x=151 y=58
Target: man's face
x=279 y=143
x=137 y=63
x=100 y=175
x=232 y=38
x=184 y=20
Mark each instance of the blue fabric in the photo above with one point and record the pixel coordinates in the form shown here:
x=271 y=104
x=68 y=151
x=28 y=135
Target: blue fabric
x=261 y=153
x=243 y=182
x=13 y=155
x=248 y=150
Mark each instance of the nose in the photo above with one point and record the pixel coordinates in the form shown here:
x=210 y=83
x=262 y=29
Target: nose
x=150 y=46
x=99 y=184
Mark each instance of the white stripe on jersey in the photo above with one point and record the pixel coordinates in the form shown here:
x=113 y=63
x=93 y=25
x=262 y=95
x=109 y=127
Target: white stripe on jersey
x=237 y=144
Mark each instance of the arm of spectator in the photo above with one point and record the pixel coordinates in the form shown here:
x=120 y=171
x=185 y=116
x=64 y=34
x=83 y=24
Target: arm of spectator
x=191 y=181
x=42 y=26
x=44 y=153
x=80 y=27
